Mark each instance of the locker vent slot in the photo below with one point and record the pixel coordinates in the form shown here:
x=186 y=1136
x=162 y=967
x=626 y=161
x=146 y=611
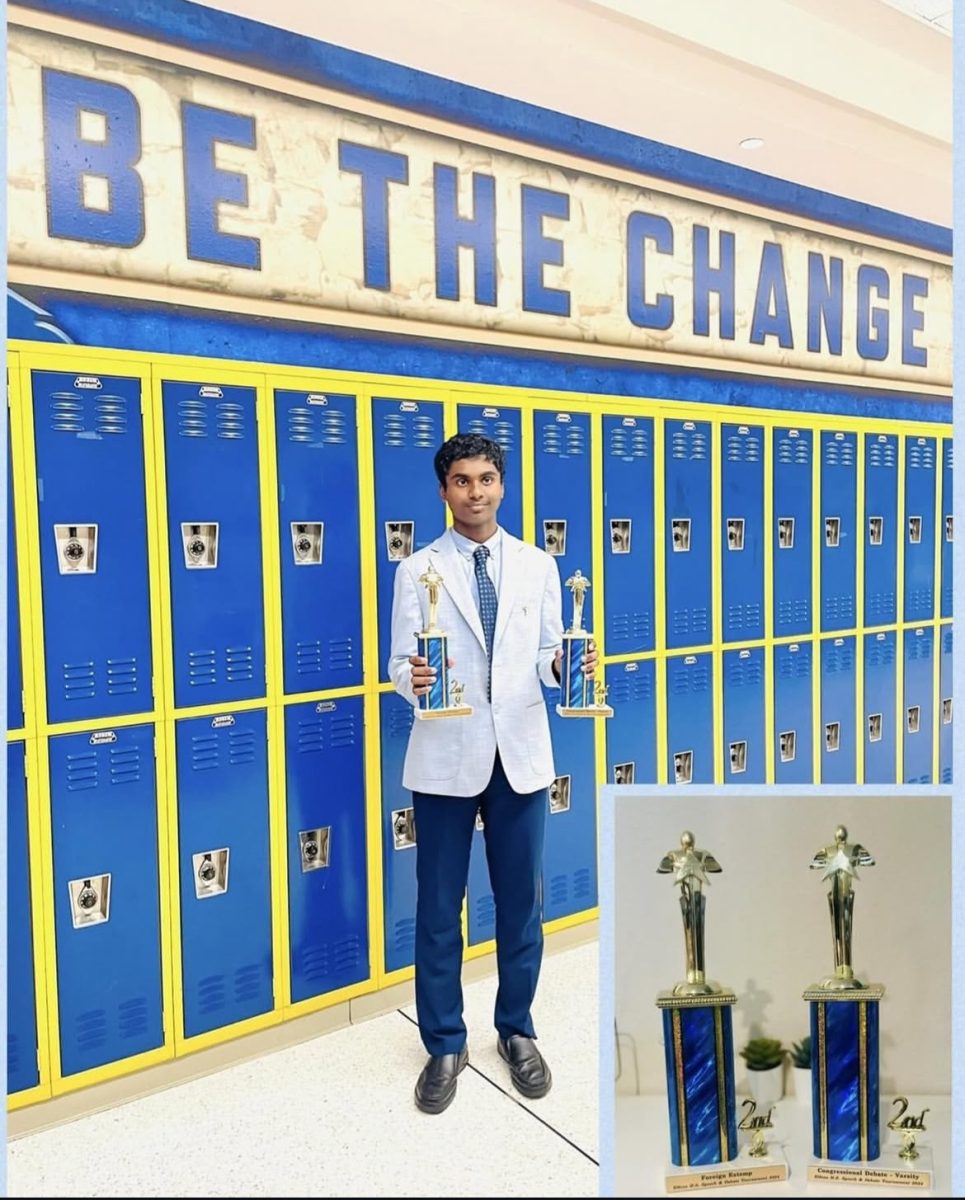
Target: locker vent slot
x=204 y=752
x=132 y=1017
x=333 y=427
x=486 y=911
x=566 y=440
x=630 y=443
x=248 y=980
x=882 y=454
x=692 y=621
x=202 y=667
x=66 y=413
x=405 y=937
x=308 y=658
x=301 y=425
x=125 y=764
x=690 y=679
x=918 y=648
x=231 y=420
x=946 y=774
x=403 y=430
x=838 y=658
x=82 y=771
x=920 y=600
x=949 y=453
x=241 y=746
x=212 y=994
x=947 y=641
x=744 y=616
x=317 y=426
x=840 y=610
x=399 y=721
x=881 y=654
x=839 y=454
x=121 y=676
x=743 y=447
x=110 y=414
x=921 y=457
x=794 y=450
x=626 y=687
x=692 y=444
x=341 y=654
x=503 y=433
x=325 y=959
x=795 y=666
x=90 y=1030
x=626 y=626
x=79 y=681
x=581 y=885
x=793 y=612
x=239 y=663
x=344 y=731
x=745 y=672
x=13 y=1056
x=881 y=607
x=559 y=890
x=192 y=418
x=424 y=433
x=311 y=736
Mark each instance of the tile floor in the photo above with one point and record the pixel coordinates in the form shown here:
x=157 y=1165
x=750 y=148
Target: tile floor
x=335 y=1116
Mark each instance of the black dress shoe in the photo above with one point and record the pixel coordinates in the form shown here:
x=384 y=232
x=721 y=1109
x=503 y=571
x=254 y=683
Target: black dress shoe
x=527 y=1067
x=437 y=1083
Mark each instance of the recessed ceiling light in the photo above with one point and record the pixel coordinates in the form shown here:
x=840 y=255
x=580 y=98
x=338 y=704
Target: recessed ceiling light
x=752 y=143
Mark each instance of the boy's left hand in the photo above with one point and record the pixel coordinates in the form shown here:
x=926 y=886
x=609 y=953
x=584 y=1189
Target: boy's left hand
x=589 y=661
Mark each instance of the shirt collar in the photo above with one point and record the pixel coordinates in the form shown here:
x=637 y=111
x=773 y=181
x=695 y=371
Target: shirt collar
x=466 y=546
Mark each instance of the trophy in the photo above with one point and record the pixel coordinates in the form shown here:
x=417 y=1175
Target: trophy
x=444 y=698
x=581 y=697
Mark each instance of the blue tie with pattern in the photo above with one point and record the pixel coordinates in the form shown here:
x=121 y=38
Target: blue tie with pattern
x=487 y=607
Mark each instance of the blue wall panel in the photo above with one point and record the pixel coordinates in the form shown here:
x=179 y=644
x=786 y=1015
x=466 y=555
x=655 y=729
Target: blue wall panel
x=793 y=708
x=690 y=719
x=880 y=529
x=22 y=1070
x=569 y=851
x=631 y=733
x=687 y=533
x=503 y=426
x=791 y=535
x=920 y=470
x=744 y=746
x=742 y=532
x=398 y=852
x=880 y=682
x=838 y=533
x=628 y=554
x=919 y=704
x=838 y=710
x=563 y=504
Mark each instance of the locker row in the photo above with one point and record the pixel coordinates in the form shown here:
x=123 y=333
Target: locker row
x=101 y=879
x=254 y=578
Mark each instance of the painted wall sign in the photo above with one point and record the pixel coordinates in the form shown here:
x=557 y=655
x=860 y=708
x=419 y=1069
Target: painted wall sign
x=125 y=167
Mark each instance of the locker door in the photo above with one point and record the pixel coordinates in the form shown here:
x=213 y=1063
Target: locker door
x=22 y=1070
x=15 y=714
x=563 y=500
x=920 y=467
x=318 y=506
x=93 y=545
x=793 y=487
x=628 y=533
x=103 y=802
x=327 y=893
x=408 y=512
x=744 y=753
x=504 y=427
x=225 y=867
x=945 y=711
x=880 y=529
x=480 y=905
x=946 y=532
x=919 y=704
x=214 y=543
x=742 y=532
x=687 y=533
x=631 y=733
x=690 y=719
x=880 y=681
x=838 y=545
x=398 y=835
x=569 y=849
x=838 y=763
x=793 y=708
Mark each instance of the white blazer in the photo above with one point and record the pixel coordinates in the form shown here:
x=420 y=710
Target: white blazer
x=455 y=756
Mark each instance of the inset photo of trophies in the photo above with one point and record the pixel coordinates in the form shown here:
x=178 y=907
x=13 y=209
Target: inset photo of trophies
x=731 y=1085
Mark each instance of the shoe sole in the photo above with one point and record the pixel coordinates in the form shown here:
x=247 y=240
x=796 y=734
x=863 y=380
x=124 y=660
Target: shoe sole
x=530 y=1093
x=435 y=1109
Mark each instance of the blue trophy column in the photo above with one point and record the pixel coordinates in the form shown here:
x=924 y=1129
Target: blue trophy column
x=699 y=1045
x=844 y=1074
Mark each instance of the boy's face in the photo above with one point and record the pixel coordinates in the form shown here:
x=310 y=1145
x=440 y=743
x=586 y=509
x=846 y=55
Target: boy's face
x=473 y=490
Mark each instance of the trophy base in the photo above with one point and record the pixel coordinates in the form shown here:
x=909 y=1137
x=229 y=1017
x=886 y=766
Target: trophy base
x=432 y=714
x=889 y=1170
x=744 y=1169
x=591 y=710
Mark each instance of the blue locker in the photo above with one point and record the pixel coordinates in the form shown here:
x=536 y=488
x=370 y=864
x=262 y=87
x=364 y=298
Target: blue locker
x=919 y=704
x=22 y=1072
x=744 y=746
x=687 y=537
x=103 y=803
x=318 y=505
x=408 y=512
x=631 y=733
x=480 y=904
x=628 y=568
x=920 y=468
x=838 y=715
x=946 y=734
x=15 y=714
x=569 y=850
x=93 y=545
x=880 y=529
x=327 y=891
x=503 y=426
x=690 y=719
x=793 y=488
x=398 y=834
x=793 y=709
x=225 y=869
x=214 y=541
x=839 y=484
x=880 y=683
x=946 y=532
x=742 y=532
x=563 y=501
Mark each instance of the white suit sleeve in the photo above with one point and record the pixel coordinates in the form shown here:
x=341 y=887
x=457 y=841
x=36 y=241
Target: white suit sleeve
x=406 y=619
x=550 y=624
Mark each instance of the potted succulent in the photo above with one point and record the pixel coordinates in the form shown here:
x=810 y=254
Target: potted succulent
x=764 y=1059
x=801 y=1063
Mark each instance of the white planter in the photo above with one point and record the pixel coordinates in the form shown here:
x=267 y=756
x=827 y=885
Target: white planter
x=802 y=1085
x=767 y=1087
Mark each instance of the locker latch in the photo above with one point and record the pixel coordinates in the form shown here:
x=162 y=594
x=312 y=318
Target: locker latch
x=680 y=534
x=949 y=528
x=683 y=766
x=200 y=541
x=876 y=530
x=314 y=846
x=399 y=539
x=914 y=530
x=874 y=727
x=785 y=533
x=832 y=736
x=560 y=794
x=210 y=873
x=76 y=549
x=554 y=537
x=90 y=900
x=738 y=757
x=735 y=533
x=788 y=745
x=914 y=718
x=947 y=711
x=624 y=772
x=403 y=828
x=307 y=542
x=620 y=535
x=832 y=531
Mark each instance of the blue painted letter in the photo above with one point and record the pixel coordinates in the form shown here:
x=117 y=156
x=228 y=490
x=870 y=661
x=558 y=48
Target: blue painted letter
x=825 y=302
x=539 y=250
x=478 y=232
x=771 y=289
x=709 y=279
x=206 y=186
x=641 y=228
x=872 y=346
x=912 y=320
x=378 y=169
x=69 y=158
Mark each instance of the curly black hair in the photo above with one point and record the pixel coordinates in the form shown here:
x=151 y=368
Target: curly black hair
x=468 y=445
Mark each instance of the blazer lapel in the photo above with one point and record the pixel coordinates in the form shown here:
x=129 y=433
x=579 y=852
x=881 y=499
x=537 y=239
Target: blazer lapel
x=454 y=580
x=509 y=582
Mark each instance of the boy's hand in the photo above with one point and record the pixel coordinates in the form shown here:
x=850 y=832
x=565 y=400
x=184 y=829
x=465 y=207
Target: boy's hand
x=424 y=676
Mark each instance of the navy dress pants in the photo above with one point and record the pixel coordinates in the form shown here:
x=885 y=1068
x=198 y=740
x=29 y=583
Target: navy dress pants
x=514 y=826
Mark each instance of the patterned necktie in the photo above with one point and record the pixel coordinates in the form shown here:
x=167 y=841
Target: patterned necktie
x=487 y=607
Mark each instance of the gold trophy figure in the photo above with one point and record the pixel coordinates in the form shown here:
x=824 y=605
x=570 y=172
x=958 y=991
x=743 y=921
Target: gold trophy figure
x=839 y=863
x=689 y=867
x=580 y=696
x=444 y=698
